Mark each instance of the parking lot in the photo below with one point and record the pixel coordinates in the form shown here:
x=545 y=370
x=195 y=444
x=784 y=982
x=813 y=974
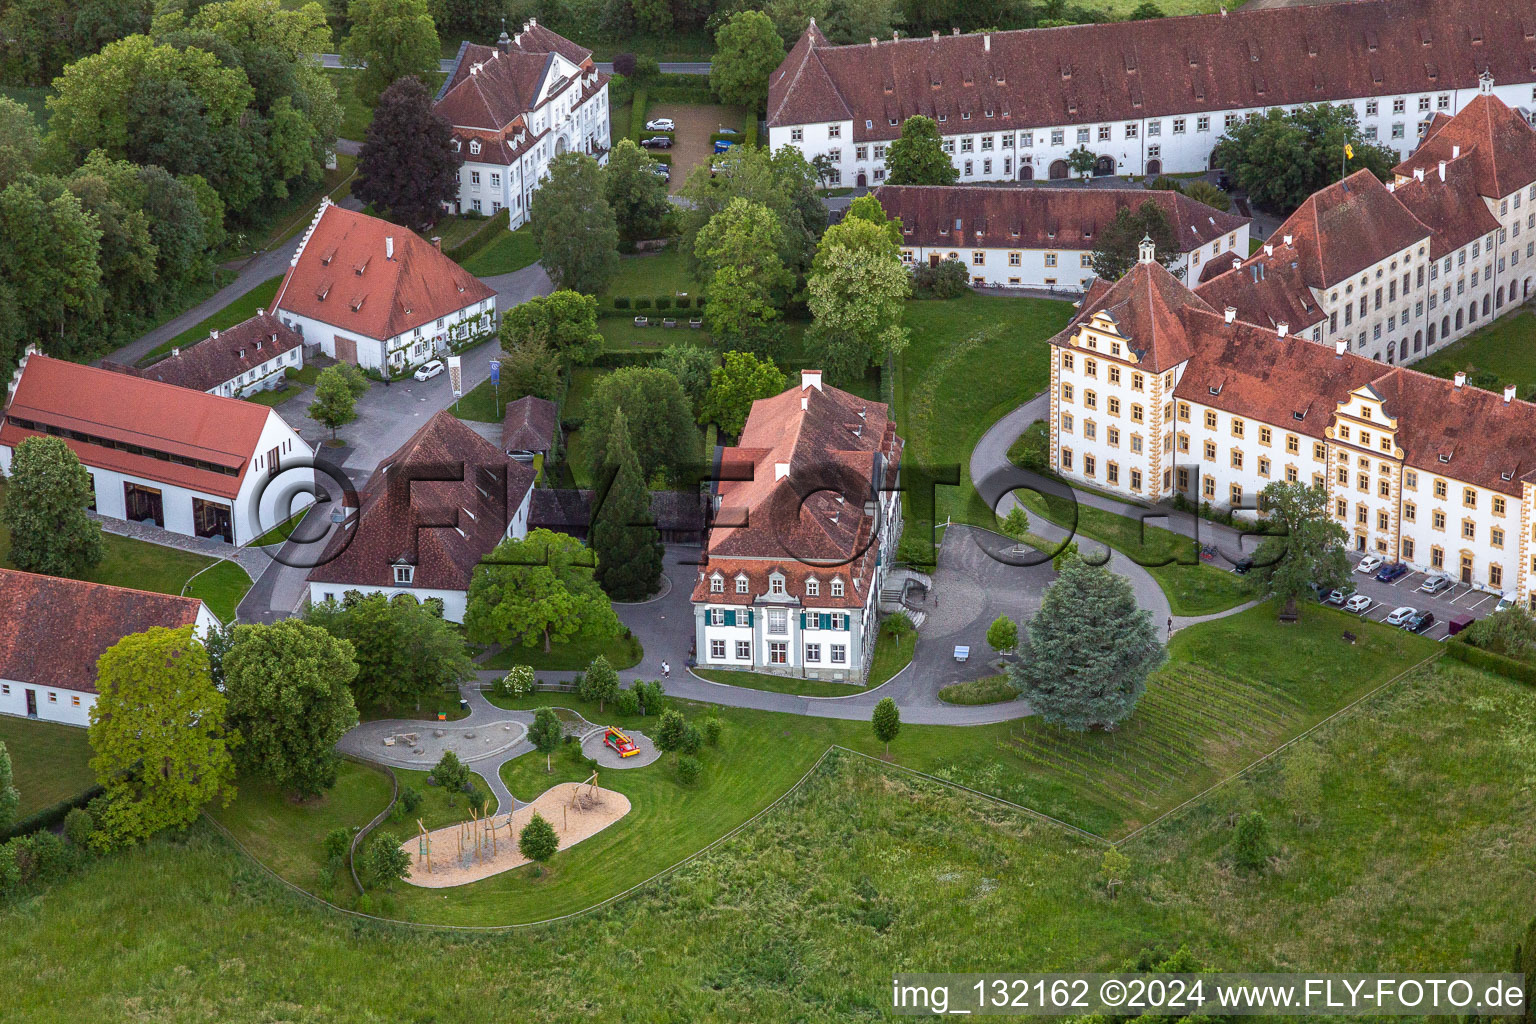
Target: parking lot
x=1460 y=599
x=695 y=123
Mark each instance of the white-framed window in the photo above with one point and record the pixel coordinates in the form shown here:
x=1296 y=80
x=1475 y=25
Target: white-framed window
x=778 y=653
x=812 y=652
x=837 y=586
x=717 y=616
x=1178 y=126
x=717 y=650
x=839 y=654
x=475 y=205
x=474 y=177
x=834 y=131
x=776 y=584
x=1104 y=133
x=778 y=621
x=474 y=147
x=797 y=135
x=1131 y=128
x=812 y=587
x=744 y=650
x=741 y=584
x=1058 y=136
x=404 y=574
x=1082 y=134
x=53 y=697
x=839 y=620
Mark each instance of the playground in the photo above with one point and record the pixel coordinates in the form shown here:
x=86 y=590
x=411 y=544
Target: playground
x=481 y=847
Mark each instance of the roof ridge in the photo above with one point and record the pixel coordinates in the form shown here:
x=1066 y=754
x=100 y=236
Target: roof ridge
x=71 y=581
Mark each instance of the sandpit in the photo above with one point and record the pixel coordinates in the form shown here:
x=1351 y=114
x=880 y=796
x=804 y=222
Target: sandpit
x=572 y=824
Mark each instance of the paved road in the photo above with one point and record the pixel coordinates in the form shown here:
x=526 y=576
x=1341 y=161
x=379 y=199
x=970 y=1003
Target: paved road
x=698 y=67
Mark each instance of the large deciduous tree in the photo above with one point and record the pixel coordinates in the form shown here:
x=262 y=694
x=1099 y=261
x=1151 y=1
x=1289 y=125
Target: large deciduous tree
x=858 y=289
x=740 y=380
x=565 y=321
x=44 y=510
x=407 y=166
x=636 y=193
x=158 y=730
x=691 y=365
x=50 y=274
x=918 y=157
x=337 y=390
x=1119 y=242
x=624 y=533
x=393 y=38
x=539 y=590
x=1282 y=157
x=574 y=225
x=747 y=50
x=783 y=182
x=288 y=686
x=529 y=368
x=745 y=280
x=661 y=424
x=1087 y=654
x=1309 y=547
x=404 y=650
x=20 y=141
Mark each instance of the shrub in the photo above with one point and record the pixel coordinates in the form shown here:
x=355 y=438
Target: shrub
x=337 y=842
x=650 y=694
x=10 y=871
x=637 y=112
x=897 y=624
x=689 y=770
x=627 y=702
x=386 y=861
x=692 y=740
x=450 y=773
x=364 y=904
x=621 y=302
x=410 y=799
x=50 y=857
x=647 y=69
x=664 y=302
x=78 y=826
x=1251 y=848
x=642 y=303
x=945 y=281
x=698 y=300
x=624 y=64
x=712 y=728
x=683 y=301
x=518 y=682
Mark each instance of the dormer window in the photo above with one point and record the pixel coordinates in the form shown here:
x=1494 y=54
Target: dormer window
x=741 y=584
x=776 y=585
x=812 y=588
x=717 y=584
x=404 y=574
x=837 y=586
x=474 y=148
x=456 y=145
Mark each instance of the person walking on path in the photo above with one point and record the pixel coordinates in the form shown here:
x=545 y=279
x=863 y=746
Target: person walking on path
x=666 y=671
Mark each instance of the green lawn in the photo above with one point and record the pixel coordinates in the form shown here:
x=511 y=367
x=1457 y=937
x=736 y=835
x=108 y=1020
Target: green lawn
x=891 y=656
x=276 y=397
x=49 y=762
x=619 y=332
x=221 y=587
x=514 y=250
x=987 y=690
x=438 y=807
x=483 y=403
x=971 y=360
x=1505 y=348
x=779 y=684
x=238 y=311
x=650 y=275
x=281 y=532
x=622 y=653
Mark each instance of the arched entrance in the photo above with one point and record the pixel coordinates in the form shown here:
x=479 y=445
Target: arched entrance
x=1498 y=298
x=1391 y=351
x=1458 y=319
x=561 y=145
x=863 y=180
x=1432 y=334
x=1059 y=169
x=1103 y=165
x=1487 y=305
x=1445 y=326
x=1154 y=168
x=1026 y=172
x=1418 y=340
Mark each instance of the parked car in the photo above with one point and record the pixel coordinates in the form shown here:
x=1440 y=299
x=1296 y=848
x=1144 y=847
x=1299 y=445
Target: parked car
x=662 y=171
x=426 y=371
x=1340 y=595
x=1370 y=563
x=728 y=131
x=1420 y=623
x=1504 y=603
x=1392 y=573
x=661 y=124
x=657 y=142
x=1435 y=584
x=723 y=144
x=1359 y=604
x=1401 y=615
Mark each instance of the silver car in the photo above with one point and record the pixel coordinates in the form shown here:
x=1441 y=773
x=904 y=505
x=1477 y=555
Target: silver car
x=1435 y=584
x=1358 y=604
x=1401 y=615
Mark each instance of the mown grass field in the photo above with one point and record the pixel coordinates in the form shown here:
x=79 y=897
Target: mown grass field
x=622 y=652
x=49 y=762
x=1505 y=348
x=221 y=587
x=779 y=684
x=1404 y=863
x=514 y=250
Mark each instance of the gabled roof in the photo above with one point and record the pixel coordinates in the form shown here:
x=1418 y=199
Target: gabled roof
x=441 y=503
x=491 y=89
x=1040 y=218
x=529 y=425
x=1126 y=70
x=1343 y=228
x=1266 y=289
x=1453 y=209
x=116 y=421
x=222 y=356
x=1147 y=305
x=1496 y=141
x=53 y=630
x=342 y=276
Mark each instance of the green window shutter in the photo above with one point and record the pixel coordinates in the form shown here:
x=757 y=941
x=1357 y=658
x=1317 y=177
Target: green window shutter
x=802 y=620
x=826 y=620
x=749 y=616
x=730 y=617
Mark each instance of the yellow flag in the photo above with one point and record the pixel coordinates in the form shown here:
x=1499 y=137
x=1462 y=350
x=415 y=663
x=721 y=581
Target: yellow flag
x=1349 y=151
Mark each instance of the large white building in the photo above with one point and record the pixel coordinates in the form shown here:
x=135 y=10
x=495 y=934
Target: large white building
x=1146 y=97
x=1044 y=237
x=53 y=630
x=516 y=106
x=185 y=461
x=807 y=514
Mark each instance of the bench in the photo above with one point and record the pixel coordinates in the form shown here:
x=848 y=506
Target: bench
x=1349 y=637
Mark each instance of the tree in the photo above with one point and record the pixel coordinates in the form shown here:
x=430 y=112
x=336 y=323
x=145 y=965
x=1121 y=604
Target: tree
x=518 y=682
x=635 y=192
x=538 y=841
x=886 y=721
x=50 y=271
x=10 y=799
x=1511 y=632
x=407 y=165
x=1003 y=635
x=529 y=368
x=1082 y=161
x=20 y=140
x=1202 y=191
x=1310 y=546
x=1016 y=524
x=669 y=733
x=452 y=774
x=390 y=39
x=1065 y=556
x=336 y=844
x=747 y=51
x=948 y=280
x=1251 y=846
x=546 y=734
x=918 y=157
x=158 y=730
x=538 y=590
x=783 y=181
x=1119 y=243
x=1085 y=659
x=337 y=390
x=1301 y=779
x=689 y=770
x=624 y=534
x=1280 y=158
x=693 y=367
x=574 y=225
x=852 y=21
x=1112 y=869
x=857 y=293
x=386 y=862
x=733 y=386
x=564 y=321
x=745 y=281
x=405 y=651
x=600 y=682
x=44 y=509
x=1146 y=11
x=287 y=686
x=660 y=419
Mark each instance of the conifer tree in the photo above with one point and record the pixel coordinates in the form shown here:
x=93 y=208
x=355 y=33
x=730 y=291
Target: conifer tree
x=623 y=533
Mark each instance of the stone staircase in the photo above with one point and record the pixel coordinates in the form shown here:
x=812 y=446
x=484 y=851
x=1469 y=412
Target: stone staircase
x=893 y=593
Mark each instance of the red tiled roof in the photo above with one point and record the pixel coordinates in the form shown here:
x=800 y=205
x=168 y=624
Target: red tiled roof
x=1079 y=74
x=1345 y=227
x=131 y=411
x=529 y=425
x=1496 y=141
x=341 y=277
x=1148 y=304
x=491 y=89
x=224 y=356
x=1039 y=218
x=53 y=630
x=1267 y=289
x=1453 y=209
x=405 y=505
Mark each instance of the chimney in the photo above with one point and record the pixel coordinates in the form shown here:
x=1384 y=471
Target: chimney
x=1340 y=347
x=1236 y=263
x=261 y=312
x=780 y=470
x=1282 y=328
x=1287 y=239
x=389 y=247
x=1509 y=393
x=1455 y=150
x=986 y=42
x=175 y=352
x=1231 y=313
x=214 y=335
x=1461 y=378
x=873 y=42
x=810 y=379
x=437 y=242
x=1418 y=174
x=1269 y=250
x=935 y=33
x=1442 y=170
x=954 y=31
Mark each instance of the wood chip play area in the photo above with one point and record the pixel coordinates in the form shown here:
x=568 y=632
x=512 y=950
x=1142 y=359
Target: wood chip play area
x=481 y=847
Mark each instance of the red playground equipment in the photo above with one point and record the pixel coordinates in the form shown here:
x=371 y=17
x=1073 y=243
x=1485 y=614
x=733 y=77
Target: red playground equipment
x=622 y=744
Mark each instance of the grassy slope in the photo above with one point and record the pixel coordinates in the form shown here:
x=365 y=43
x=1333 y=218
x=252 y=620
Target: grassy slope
x=622 y=653
x=1506 y=348
x=240 y=310
x=49 y=762
x=891 y=656
x=221 y=587
x=802 y=916
x=779 y=684
x=513 y=251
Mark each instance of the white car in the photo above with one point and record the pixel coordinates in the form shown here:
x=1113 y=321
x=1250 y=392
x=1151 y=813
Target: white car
x=426 y=371
x=1370 y=563
x=1357 y=604
x=1401 y=615
x=661 y=124
x=1504 y=603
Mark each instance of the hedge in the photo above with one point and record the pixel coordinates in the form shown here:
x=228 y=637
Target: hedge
x=637 y=115
x=621 y=303
x=51 y=815
x=619 y=358
x=1491 y=661
x=483 y=238
x=749 y=135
